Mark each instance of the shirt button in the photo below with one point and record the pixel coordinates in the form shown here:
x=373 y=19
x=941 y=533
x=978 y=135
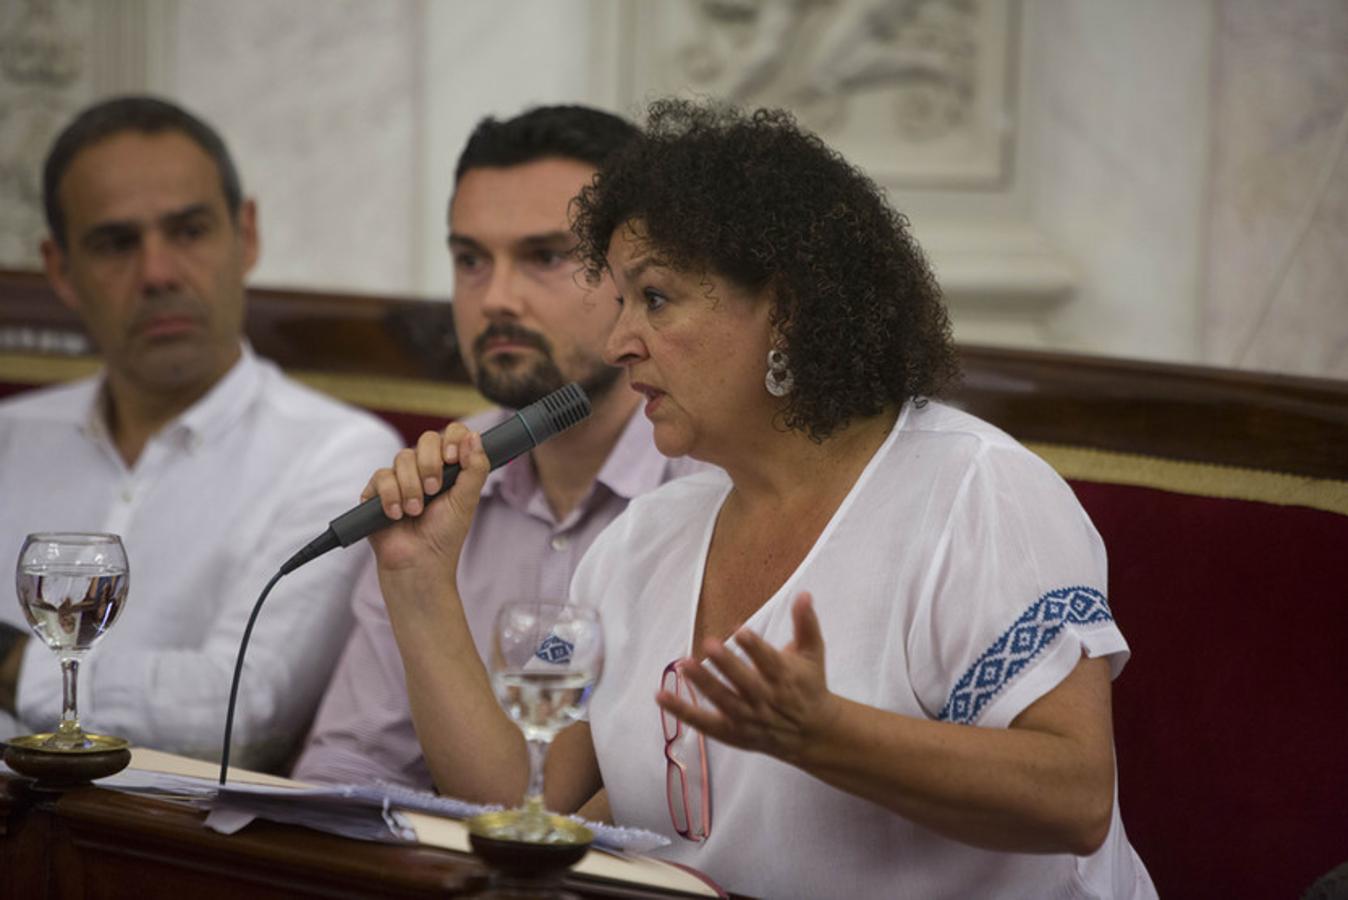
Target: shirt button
x=127 y=495
x=560 y=541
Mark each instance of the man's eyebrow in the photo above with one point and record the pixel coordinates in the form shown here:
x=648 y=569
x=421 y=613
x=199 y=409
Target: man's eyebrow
x=560 y=237
x=111 y=229
x=123 y=228
x=188 y=212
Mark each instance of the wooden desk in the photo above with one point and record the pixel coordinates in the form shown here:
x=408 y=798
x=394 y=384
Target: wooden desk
x=95 y=843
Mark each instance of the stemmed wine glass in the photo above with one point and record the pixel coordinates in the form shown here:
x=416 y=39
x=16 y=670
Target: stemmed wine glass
x=546 y=658
x=72 y=587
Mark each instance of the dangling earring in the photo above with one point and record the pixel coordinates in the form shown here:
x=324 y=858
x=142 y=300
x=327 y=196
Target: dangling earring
x=779 y=381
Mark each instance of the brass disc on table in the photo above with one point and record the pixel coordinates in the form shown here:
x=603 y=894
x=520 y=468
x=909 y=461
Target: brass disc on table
x=568 y=844
x=60 y=768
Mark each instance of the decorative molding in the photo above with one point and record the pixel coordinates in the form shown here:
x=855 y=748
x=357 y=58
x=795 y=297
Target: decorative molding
x=39 y=46
x=982 y=265
x=1003 y=281
x=55 y=57
x=132 y=46
x=44 y=77
x=921 y=94
x=916 y=92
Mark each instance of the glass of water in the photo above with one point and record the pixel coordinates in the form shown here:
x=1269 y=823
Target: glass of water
x=72 y=587
x=546 y=658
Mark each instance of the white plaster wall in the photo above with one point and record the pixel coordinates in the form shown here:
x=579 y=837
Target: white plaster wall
x=319 y=101
x=1277 y=295
x=498 y=58
x=1116 y=134
x=1168 y=154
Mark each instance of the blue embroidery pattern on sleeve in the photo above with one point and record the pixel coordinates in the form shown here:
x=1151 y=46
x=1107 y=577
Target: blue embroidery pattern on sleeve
x=555 y=650
x=1036 y=628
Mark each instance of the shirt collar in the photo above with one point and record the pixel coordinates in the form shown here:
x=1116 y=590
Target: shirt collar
x=227 y=399
x=218 y=409
x=633 y=467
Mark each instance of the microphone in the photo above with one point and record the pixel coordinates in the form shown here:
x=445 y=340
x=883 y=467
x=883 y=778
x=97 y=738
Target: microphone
x=518 y=434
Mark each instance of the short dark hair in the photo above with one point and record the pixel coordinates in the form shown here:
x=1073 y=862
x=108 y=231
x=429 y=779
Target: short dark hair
x=148 y=115
x=571 y=132
x=758 y=200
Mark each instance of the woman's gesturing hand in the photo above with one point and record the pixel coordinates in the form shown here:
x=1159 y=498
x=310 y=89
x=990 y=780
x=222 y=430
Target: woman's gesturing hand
x=775 y=703
x=428 y=533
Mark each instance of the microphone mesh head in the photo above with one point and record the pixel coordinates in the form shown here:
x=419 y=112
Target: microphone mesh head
x=564 y=407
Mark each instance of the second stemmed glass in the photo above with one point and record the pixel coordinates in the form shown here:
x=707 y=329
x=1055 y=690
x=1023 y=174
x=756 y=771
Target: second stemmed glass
x=546 y=658
x=72 y=587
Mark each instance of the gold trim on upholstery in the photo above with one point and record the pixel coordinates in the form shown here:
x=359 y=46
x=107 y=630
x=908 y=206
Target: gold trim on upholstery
x=1202 y=479
x=35 y=368
x=424 y=397
x=389 y=394
x=402 y=395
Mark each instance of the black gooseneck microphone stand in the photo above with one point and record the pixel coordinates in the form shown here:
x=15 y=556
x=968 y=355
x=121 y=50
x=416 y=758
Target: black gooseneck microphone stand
x=518 y=434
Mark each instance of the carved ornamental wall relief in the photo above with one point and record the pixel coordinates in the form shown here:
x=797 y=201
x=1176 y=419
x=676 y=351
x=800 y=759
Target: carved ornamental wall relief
x=915 y=91
x=57 y=56
x=43 y=81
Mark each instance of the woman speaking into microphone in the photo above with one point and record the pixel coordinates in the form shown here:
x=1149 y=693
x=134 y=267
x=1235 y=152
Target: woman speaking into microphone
x=870 y=653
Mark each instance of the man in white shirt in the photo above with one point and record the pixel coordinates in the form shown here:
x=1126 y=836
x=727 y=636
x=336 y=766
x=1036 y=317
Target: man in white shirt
x=184 y=445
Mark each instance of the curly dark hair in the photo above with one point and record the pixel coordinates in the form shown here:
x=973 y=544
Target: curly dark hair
x=756 y=199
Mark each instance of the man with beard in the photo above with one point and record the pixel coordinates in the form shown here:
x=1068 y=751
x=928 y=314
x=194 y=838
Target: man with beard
x=527 y=324
x=184 y=445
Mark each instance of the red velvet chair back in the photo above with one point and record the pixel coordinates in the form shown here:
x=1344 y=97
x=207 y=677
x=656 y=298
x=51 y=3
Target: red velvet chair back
x=1231 y=717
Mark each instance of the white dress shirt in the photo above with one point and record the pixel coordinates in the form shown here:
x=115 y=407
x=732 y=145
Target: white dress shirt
x=217 y=500
x=959 y=581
